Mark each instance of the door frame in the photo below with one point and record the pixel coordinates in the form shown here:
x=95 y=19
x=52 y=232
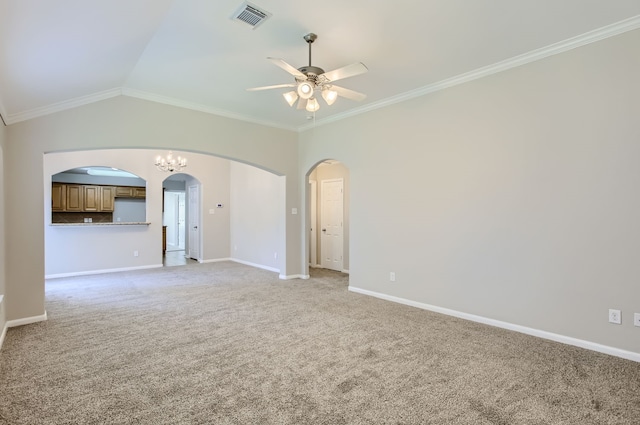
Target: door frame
x=313 y=231
x=198 y=225
x=341 y=241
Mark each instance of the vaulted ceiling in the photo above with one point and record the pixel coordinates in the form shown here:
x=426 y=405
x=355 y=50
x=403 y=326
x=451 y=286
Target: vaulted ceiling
x=57 y=54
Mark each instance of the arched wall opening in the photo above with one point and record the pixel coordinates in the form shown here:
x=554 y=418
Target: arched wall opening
x=181 y=219
x=239 y=206
x=327 y=227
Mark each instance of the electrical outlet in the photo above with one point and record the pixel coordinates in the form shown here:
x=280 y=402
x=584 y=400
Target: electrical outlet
x=392 y=276
x=135 y=253
x=636 y=319
x=615 y=316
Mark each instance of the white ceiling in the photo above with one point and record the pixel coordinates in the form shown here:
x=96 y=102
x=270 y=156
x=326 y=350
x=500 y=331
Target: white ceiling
x=56 y=54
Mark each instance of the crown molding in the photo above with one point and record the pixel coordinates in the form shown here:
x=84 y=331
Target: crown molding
x=532 y=56
x=199 y=107
x=62 y=106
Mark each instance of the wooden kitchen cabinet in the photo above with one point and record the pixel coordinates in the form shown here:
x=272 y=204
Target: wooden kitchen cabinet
x=82 y=198
x=140 y=192
x=91 y=195
x=58 y=197
x=131 y=192
x=124 y=192
x=99 y=198
x=107 y=198
x=74 y=197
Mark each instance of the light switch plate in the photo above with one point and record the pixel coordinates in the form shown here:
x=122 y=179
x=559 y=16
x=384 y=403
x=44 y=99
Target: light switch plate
x=636 y=319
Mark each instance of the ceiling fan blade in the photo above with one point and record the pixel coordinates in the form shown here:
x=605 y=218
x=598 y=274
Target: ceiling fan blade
x=289 y=68
x=277 y=86
x=349 y=94
x=344 y=72
x=302 y=103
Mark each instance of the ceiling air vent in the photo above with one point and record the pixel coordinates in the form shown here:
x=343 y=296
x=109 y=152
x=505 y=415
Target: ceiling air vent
x=250 y=14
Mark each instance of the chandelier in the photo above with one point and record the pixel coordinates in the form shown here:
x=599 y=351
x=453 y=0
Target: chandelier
x=170 y=164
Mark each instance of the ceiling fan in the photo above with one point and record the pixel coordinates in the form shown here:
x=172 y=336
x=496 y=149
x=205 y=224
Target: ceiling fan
x=311 y=80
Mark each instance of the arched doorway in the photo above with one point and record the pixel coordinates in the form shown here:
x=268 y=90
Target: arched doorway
x=181 y=229
x=328 y=217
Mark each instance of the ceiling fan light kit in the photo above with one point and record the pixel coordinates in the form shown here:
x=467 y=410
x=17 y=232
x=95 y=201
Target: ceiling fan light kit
x=290 y=97
x=312 y=105
x=329 y=96
x=305 y=90
x=311 y=79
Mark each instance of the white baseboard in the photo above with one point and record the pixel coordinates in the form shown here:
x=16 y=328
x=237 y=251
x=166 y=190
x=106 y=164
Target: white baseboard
x=4 y=325
x=26 y=320
x=216 y=260
x=260 y=266
x=593 y=346
x=20 y=322
x=294 y=276
x=90 y=272
x=3 y=334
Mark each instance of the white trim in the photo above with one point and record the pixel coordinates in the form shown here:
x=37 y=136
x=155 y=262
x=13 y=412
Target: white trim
x=260 y=266
x=593 y=346
x=26 y=320
x=61 y=106
x=345 y=271
x=532 y=56
x=20 y=322
x=90 y=272
x=4 y=327
x=3 y=334
x=294 y=276
x=139 y=94
x=216 y=260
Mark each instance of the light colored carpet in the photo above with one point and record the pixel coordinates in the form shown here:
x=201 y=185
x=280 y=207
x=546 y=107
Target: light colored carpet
x=225 y=343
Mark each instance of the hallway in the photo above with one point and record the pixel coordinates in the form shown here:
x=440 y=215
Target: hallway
x=176 y=258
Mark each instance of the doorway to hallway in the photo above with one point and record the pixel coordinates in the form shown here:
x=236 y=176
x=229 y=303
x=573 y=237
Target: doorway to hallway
x=328 y=230
x=174 y=219
x=181 y=220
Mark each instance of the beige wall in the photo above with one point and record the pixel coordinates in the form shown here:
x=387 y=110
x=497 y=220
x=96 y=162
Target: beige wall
x=513 y=197
x=257 y=211
x=125 y=122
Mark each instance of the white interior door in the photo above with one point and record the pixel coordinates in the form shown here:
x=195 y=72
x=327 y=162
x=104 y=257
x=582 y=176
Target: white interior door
x=331 y=218
x=194 y=223
x=313 y=219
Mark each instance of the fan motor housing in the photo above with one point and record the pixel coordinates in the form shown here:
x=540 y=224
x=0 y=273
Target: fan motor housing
x=311 y=71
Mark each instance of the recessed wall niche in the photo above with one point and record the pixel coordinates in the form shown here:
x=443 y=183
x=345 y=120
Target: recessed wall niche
x=97 y=195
